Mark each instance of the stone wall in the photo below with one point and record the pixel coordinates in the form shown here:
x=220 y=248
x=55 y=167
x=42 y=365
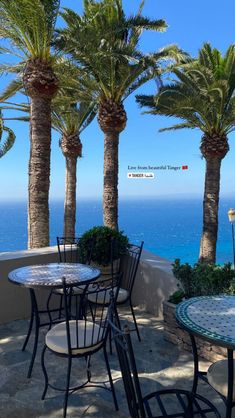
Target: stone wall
x=176 y=335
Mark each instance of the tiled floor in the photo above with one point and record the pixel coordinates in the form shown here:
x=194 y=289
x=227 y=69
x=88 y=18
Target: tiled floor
x=160 y=364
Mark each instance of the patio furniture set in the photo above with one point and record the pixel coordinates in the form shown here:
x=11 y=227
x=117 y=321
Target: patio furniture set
x=86 y=320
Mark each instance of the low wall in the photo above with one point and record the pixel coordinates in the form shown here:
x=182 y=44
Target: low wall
x=176 y=335
x=14 y=300
x=154 y=283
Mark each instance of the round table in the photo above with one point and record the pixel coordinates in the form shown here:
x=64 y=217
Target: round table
x=211 y=318
x=51 y=275
x=48 y=276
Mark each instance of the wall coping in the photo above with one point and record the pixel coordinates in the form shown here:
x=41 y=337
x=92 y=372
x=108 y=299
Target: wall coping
x=15 y=255
x=147 y=257
x=156 y=262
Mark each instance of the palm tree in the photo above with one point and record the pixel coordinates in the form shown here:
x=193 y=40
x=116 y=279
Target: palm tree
x=29 y=25
x=69 y=119
x=202 y=96
x=9 y=141
x=104 y=44
x=70 y=122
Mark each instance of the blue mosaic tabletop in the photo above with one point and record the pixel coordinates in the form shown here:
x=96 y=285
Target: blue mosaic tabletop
x=50 y=275
x=211 y=317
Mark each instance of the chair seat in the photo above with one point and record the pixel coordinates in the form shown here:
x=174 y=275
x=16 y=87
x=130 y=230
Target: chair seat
x=104 y=298
x=217 y=376
x=76 y=290
x=89 y=337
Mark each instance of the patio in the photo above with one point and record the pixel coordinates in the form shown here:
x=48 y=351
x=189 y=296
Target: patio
x=160 y=364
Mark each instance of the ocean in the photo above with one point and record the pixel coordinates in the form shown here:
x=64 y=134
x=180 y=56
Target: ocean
x=170 y=228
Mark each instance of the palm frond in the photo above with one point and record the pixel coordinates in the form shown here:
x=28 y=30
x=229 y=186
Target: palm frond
x=103 y=42
x=145 y=23
x=28 y=25
x=13 y=87
x=202 y=94
x=177 y=126
x=7 y=144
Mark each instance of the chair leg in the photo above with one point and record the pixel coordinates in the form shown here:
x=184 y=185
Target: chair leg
x=88 y=367
x=110 y=342
x=29 y=330
x=117 y=319
x=48 y=309
x=136 y=326
x=61 y=306
x=44 y=372
x=37 y=327
x=67 y=387
x=110 y=379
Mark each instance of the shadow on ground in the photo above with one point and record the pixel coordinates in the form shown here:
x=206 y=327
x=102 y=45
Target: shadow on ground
x=160 y=365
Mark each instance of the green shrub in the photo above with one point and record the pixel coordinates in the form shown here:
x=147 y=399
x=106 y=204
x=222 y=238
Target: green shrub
x=202 y=279
x=101 y=236
x=177 y=296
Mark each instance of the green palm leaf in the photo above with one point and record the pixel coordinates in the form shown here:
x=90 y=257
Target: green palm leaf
x=202 y=94
x=5 y=144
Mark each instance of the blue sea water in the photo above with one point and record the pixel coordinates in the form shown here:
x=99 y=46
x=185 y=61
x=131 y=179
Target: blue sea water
x=170 y=228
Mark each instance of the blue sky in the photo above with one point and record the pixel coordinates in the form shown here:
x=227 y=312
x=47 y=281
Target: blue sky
x=190 y=24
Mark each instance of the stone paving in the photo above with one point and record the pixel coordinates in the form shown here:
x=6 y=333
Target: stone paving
x=160 y=365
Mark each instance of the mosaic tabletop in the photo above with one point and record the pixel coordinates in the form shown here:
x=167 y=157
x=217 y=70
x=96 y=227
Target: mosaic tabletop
x=211 y=317
x=50 y=275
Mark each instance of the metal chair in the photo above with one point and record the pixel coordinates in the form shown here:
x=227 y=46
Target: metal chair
x=68 y=249
x=68 y=252
x=82 y=336
x=155 y=404
x=129 y=269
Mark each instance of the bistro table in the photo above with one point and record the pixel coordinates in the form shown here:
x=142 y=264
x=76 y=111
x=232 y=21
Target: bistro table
x=48 y=276
x=211 y=318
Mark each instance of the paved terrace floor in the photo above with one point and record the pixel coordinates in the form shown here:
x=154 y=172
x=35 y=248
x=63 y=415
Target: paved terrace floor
x=160 y=365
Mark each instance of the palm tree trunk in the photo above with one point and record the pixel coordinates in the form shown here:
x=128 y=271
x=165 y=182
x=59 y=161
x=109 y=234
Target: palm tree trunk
x=110 y=194
x=39 y=173
x=210 y=210
x=70 y=197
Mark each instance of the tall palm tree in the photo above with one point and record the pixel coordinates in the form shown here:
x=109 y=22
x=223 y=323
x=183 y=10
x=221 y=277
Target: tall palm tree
x=202 y=95
x=70 y=122
x=28 y=25
x=9 y=141
x=69 y=119
x=104 y=43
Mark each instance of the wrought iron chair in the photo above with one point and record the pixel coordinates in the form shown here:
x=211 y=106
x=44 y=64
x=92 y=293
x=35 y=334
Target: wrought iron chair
x=82 y=336
x=68 y=252
x=129 y=269
x=157 y=404
x=68 y=249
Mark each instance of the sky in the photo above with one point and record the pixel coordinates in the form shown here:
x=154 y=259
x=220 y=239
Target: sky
x=190 y=24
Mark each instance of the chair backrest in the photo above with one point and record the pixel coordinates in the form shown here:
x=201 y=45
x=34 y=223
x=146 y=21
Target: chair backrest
x=189 y=403
x=69 y=250
x=130 y=265
x=127 y=365
x=88 y=327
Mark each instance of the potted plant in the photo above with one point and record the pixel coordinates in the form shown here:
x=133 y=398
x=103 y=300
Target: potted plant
x=104 y=239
